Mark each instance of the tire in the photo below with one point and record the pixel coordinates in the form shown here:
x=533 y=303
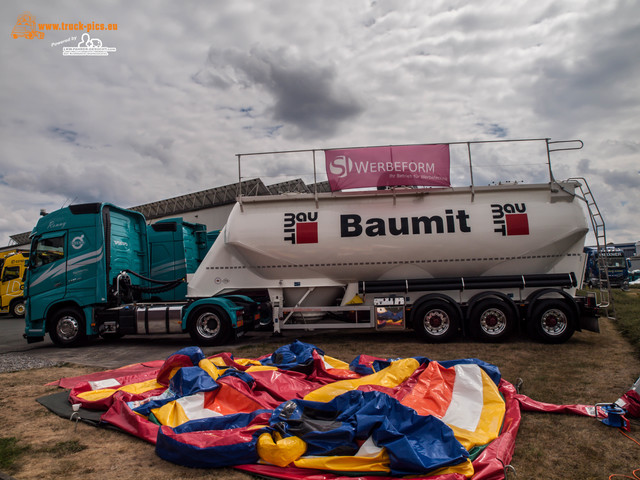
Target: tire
x=209 y=325
x=18 y=308
x=491 y=320
x=67 y=328
x=552 y=321
x=436 y=321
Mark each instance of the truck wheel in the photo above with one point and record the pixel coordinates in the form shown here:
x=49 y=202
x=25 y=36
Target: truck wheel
x=491 y=320
x=67 y=328
x=551 y=322
x=209 y=326
x=18 y=308
x=436 y=321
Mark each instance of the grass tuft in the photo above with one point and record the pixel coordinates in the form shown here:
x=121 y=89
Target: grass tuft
x=67 y=447
x=10 y=451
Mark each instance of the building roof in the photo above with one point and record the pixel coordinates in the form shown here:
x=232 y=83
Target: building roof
x=20 y=238
x=212 y=197
x=224 y=195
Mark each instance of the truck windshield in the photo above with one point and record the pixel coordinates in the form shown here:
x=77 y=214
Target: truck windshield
x=616 y=262
x=10 y=273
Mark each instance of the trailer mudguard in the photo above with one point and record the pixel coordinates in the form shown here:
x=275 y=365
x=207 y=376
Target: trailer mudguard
x=531 y=300
x=491 y=294
x=441 y=298
x=436 y=296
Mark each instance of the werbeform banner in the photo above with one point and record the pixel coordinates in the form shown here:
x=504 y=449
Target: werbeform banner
x=405 y=165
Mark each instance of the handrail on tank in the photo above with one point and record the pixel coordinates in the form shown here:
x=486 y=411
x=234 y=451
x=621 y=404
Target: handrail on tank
x=549 y=150
x=572 y=145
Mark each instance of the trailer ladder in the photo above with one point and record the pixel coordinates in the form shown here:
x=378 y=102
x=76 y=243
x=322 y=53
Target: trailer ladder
x=597 y=222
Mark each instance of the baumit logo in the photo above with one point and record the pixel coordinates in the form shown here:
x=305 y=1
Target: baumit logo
x=510 y=219
x=301 y=227
x=341 y=166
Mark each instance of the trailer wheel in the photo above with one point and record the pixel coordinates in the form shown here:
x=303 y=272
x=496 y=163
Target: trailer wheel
x=491 y=320
x=209 y=325
x=436 y=321
x=18 y=308
x=67 y=328
x=551 y=322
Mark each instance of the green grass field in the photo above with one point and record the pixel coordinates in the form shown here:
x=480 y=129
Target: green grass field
x=627 y=308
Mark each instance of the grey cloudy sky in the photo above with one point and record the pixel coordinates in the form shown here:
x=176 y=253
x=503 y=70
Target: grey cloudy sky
x=193 y=83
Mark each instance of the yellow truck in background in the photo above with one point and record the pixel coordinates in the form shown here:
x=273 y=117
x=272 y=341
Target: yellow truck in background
x=12 y=272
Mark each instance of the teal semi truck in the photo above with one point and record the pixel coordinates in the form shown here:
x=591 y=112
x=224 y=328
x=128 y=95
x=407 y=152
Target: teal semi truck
x=99 y=270
x=176 y=250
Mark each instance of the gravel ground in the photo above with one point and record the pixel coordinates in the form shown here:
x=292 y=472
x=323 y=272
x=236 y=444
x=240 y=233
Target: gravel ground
x=14 y=362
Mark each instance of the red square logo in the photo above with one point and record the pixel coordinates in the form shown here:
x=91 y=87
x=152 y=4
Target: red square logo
x=517 y=224
x=307 y=232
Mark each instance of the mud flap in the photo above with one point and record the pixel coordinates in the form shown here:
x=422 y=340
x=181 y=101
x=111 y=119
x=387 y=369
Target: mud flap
x=589 y=323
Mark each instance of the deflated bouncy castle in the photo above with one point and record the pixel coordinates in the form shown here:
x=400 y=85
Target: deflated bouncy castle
x=299 y=413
